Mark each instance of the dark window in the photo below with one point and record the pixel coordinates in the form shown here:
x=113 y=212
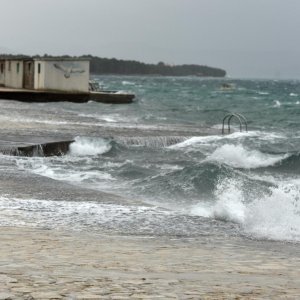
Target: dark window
x=2 y=68
x=18 y=67
x=29 y=67
x=39 y=68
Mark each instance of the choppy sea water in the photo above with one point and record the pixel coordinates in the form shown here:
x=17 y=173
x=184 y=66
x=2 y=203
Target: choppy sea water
x=244 y=183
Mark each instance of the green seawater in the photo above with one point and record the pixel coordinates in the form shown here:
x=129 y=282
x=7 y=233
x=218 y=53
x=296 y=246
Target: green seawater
x=245 y=183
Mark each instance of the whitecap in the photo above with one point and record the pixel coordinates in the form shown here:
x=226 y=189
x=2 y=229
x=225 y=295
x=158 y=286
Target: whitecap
x=200 y=140
x=239 y=157
x=125 y=82
x=277 y=103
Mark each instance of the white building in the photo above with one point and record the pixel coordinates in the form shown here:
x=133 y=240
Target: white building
x=46 y=74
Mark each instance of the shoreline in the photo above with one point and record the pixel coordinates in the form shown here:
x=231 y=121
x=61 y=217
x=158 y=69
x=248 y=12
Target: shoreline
x=50 y=264
x=40 y=263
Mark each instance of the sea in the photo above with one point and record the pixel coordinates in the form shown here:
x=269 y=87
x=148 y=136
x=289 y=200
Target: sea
x=161 y=166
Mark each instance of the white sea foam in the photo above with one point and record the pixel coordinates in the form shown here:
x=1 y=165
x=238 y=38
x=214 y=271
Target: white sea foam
x=22 y=119
x=277 y=103
x=54 y=170
x=112 y=118
x=125 y=82
x=73 y=176
x=71 y=214
x=81 y=153
x=275 y=215
x=89 y=146
x=171 y=167
x=204 y=140
x=151 y=142
x=229 y=205
x=108 y=118
x=121 y=92
x=239 y=157
x=293 y=95
x=196 y=140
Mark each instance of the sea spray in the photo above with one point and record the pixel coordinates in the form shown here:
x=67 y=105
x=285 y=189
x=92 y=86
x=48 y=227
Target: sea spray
x=228 y=203
x=274 y=215
x=277 y=215
x=89 y=146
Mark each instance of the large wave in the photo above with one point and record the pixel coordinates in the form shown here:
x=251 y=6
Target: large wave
x=274 y=215
x=227 y=182
x=238 y=156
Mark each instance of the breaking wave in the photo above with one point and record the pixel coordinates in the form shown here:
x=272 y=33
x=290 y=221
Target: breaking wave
x=274 y=215
x=239 y=157
x=151 y=142
x=200 y=140
x=83 y=146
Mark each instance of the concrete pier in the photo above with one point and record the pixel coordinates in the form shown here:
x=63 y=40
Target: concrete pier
x=30 y=146
x=26 y=95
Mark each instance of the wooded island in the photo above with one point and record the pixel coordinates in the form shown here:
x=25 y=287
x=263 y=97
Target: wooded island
x=115 y=66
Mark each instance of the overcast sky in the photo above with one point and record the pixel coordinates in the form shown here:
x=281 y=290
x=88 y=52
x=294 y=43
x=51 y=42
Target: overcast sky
x=247 y=38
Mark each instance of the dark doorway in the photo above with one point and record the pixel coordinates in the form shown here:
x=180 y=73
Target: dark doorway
x=28 y=75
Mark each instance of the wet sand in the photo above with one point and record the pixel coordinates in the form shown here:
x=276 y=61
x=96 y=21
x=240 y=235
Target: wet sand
x=50 y=264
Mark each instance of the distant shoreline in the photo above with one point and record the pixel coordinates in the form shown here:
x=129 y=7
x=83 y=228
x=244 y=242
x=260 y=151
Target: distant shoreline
x=154 y=75
x=113 y=66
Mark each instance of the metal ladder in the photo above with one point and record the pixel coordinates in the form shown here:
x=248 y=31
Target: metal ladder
x=240 y=118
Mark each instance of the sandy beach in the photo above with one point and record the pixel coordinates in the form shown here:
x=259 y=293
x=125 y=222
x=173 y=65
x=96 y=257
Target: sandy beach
x=49 y=264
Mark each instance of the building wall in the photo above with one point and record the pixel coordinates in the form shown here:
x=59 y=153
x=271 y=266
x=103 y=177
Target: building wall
x=14 y=73
x=69 y=76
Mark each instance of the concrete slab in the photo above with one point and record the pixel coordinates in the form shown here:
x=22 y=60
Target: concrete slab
x=27 y=95
x=34 y=145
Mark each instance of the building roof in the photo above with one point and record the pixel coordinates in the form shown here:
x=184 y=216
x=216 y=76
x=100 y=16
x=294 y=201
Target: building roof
x=15 y=58
x=2 y=58
x=61 y=58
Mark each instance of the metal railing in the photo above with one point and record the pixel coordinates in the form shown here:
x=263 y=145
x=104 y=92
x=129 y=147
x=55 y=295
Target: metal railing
x=242 y=120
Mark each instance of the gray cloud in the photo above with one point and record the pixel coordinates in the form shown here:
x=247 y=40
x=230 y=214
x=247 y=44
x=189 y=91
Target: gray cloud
x=250 y=38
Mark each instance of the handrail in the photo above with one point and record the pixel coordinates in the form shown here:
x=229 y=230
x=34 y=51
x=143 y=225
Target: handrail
x=240 y=118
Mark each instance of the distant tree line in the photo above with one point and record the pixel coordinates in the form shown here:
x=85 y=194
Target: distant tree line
x=100 y=65
x=130 y=67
